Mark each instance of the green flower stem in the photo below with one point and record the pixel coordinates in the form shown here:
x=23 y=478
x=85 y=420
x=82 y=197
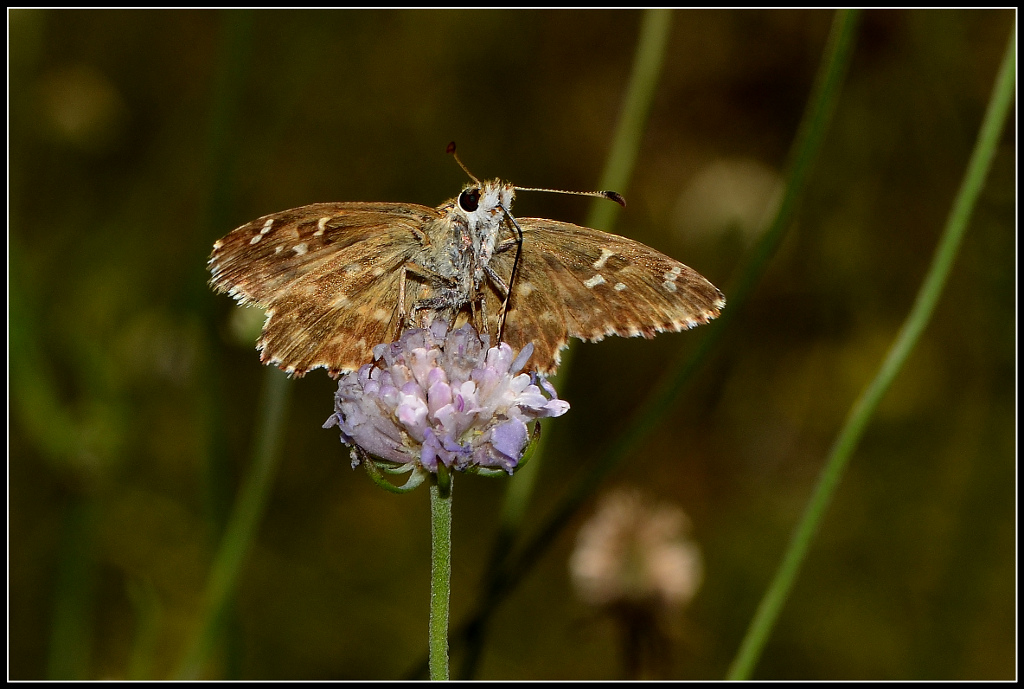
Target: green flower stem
x=440 y=571
x=864 y=407
x=244 y=521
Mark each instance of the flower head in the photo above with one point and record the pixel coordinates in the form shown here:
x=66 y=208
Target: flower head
x=436 y=397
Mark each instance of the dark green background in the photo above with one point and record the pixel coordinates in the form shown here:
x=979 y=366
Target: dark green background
x=138 y=138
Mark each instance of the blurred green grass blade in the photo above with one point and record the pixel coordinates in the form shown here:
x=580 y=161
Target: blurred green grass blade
x=652 y=42
x=244 y=522
x=77 y=441
x=865 y=406
x=221 y=150
x=806 y=148
x=655 y=28
x=74 y=596
x=650 y=56
x=807 y=145
x=233 y=58
x=148 y=612
x=35 y=402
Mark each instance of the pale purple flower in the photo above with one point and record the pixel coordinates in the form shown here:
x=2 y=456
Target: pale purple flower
x=437 y=397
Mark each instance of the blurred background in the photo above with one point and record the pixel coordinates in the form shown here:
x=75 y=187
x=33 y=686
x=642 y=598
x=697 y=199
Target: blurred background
x=137 y=138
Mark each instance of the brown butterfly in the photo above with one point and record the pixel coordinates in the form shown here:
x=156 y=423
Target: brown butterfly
x=338 y=278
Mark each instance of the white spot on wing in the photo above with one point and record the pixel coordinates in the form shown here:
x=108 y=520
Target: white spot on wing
x=381 y=315
x=619 y=286
x=320 y=227
x=605 y=255
x=669 y=285
x=266 y=226
x=594 y=281
x=524 y=289
x=353 y=268
x=300 y=249
x=671 y=275
x=256 y=239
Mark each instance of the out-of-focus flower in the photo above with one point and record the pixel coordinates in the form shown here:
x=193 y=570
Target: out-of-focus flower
x=435 y=397
x=636 y=553
x=633 y=560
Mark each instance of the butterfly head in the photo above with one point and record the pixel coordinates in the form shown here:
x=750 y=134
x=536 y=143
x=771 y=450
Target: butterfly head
x=483 y=202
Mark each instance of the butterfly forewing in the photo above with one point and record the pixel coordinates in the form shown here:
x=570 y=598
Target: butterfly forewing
x=328 y=275
x=577 y=282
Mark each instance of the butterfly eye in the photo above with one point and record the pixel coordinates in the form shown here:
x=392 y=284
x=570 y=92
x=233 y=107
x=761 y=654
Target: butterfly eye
x=469 y=200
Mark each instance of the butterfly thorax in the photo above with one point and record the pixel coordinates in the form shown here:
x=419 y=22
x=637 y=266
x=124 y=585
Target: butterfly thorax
x=462 y=242
x=487 y=220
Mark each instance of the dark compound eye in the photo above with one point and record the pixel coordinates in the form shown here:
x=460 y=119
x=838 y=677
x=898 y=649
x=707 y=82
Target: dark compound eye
x=469 y=200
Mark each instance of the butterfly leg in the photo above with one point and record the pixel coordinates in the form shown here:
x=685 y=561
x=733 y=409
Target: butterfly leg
x=408 y=320
x=481 y=324
x=446 y=297
x=474 y=312
x=503 y=292
x=517 y=241
x=401 y=298
x=506 y=246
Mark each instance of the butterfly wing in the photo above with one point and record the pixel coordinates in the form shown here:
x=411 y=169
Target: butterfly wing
x=328 y=275
x=577 y=282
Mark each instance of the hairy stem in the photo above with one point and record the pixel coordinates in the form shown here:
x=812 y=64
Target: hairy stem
x=440 y=571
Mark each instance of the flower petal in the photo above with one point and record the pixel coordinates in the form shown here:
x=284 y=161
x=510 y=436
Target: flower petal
x=438 y=396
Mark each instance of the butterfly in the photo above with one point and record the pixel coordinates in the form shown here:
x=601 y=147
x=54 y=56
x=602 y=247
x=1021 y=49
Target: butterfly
x=336 y=279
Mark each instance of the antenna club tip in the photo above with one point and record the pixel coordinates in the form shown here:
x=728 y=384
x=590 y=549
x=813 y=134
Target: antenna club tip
x=615 y=196
x=451 y=147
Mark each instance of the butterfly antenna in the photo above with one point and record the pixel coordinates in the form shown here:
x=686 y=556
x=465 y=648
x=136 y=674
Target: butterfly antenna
x=451 y=150
x=610 y=195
